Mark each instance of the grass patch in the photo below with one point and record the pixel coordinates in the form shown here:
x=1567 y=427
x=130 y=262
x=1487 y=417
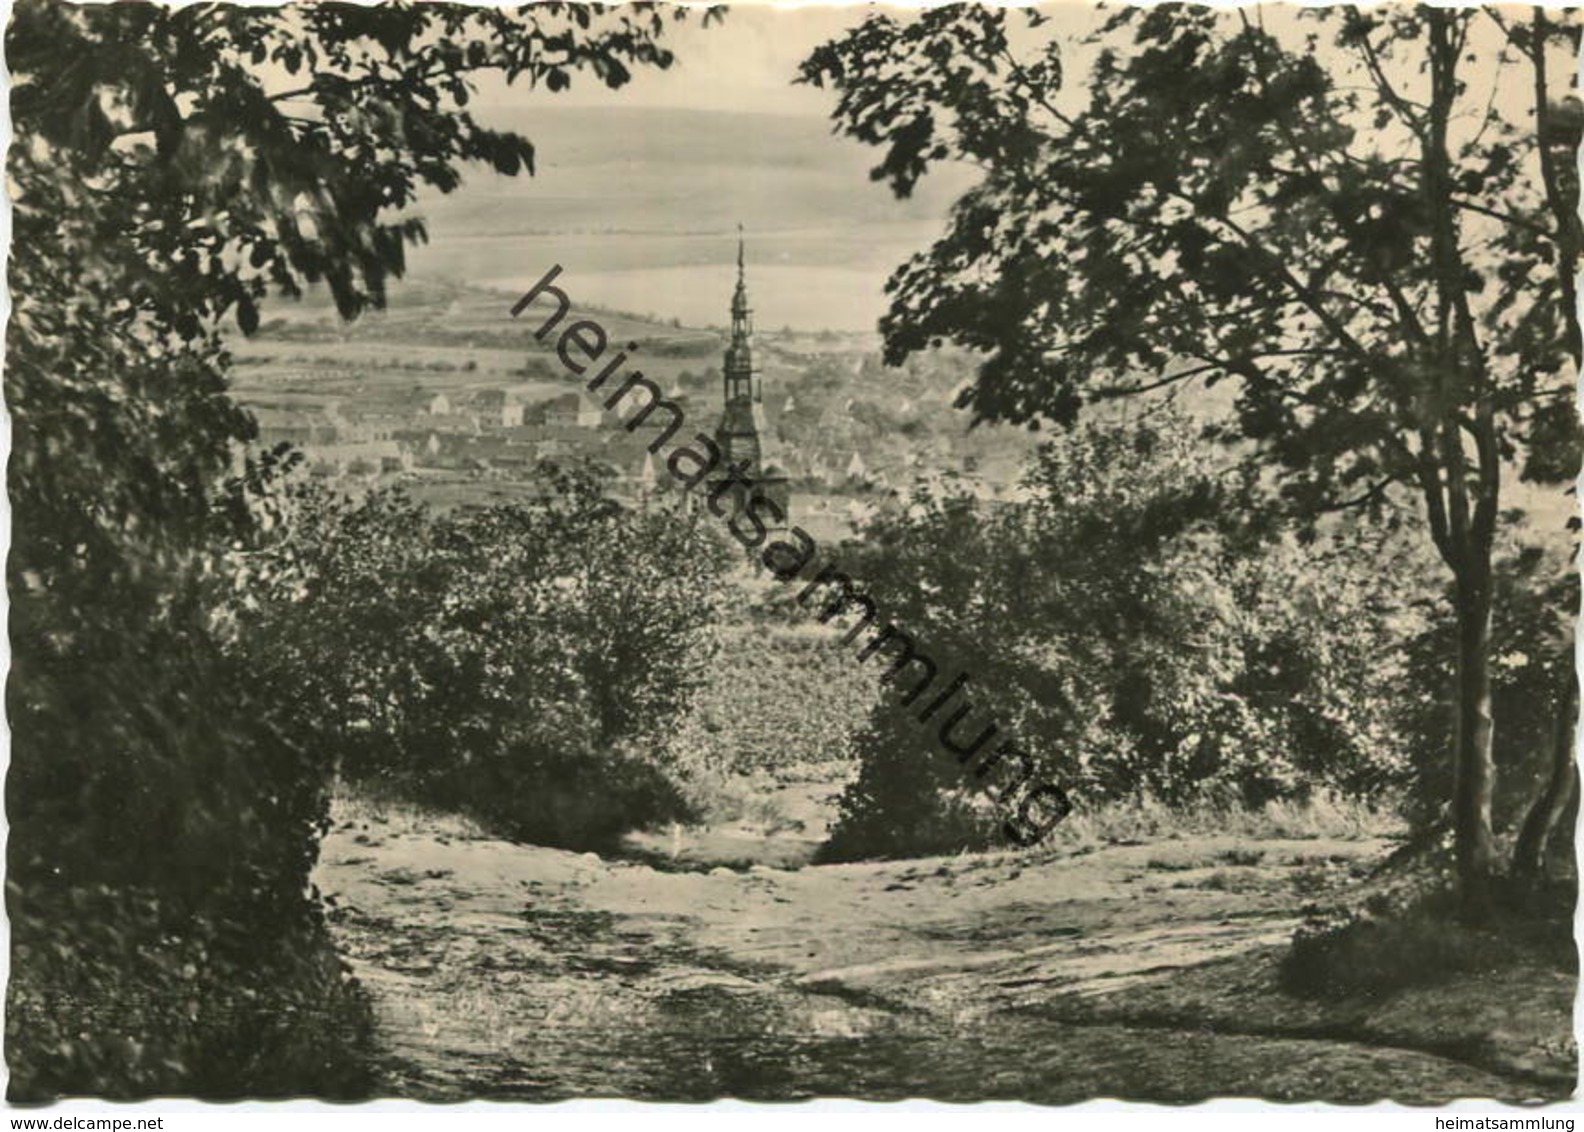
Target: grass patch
x=1241 y=857
x=1322 y=815
x=1375 y=952
x=718 y=796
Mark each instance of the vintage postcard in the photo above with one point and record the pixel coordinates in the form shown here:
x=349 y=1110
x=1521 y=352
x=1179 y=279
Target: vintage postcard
x=679 y=553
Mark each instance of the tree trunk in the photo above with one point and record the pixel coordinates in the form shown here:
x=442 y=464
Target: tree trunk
x=1473 y=769
x=1530 y=853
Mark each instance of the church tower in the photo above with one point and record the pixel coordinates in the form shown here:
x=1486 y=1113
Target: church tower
x=742 y=432
x=742 y=436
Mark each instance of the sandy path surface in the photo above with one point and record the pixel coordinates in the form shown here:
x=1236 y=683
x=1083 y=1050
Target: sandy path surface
x=511 y=971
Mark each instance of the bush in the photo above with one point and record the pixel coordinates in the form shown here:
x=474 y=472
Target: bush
x=573 y=797
x=519 y=663
x=1139 y=625
x=908 y=799
x=115 y=995
x=162 y=832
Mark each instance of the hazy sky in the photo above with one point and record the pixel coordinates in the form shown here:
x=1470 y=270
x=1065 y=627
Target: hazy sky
x=748 y=60
x=745 y=62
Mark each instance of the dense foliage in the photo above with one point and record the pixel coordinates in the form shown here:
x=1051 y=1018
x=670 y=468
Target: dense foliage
x=162 y=829
x=170 y=167
x=523 y=663
x=1141 y=626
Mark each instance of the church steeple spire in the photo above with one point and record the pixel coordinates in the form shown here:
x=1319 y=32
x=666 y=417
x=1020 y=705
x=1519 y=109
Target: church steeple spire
x=741 y=435
x=741 y=374
x=742 y=313
x=741 y=428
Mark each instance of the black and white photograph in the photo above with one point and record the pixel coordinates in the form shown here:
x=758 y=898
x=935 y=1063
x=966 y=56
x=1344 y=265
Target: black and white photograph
x=681 y=553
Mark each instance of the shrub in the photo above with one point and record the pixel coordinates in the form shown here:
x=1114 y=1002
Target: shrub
x=1138 y=625
x=514 y=662
x=1246 y=858
x=162 y=832
x=908 y=799
x=115 y=995
x=573 y=797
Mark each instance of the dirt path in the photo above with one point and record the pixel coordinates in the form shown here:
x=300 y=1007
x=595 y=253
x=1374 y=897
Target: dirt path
x=510 y=971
